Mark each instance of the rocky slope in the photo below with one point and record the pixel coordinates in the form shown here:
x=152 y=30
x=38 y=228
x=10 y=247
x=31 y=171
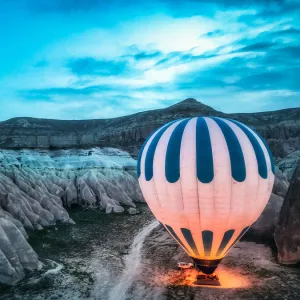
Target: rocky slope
x=36 y=187
x=16 y=254
x=280 y=128
x=287 y=233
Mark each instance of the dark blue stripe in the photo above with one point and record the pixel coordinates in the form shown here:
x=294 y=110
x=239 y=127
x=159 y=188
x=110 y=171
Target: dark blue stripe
x=238 y=167
x=141 y=153
x=269 y=151
x=236 y=240
x=259 y=153
x=151 y=151
x=175 y=236
x=205 y=164
x=172 y=163
x=226 y=238
x=189 y=238
x=207 y=237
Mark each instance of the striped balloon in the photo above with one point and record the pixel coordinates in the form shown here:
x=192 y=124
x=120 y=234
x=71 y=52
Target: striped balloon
x=206 y=180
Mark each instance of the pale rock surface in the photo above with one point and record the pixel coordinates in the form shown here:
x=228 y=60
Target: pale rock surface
x=132 y=211
x=36 y=187
x=118 y=209
x=109 y=208
x=15 y=252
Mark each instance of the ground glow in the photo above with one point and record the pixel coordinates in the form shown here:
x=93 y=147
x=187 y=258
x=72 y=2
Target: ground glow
x=229 y=279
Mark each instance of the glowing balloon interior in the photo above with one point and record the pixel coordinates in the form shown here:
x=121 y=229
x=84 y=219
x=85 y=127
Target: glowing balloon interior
x=206 y=180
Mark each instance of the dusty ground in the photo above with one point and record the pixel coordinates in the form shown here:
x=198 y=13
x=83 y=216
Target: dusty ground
x=82 y=261
x=87 y=260
x=250 y=271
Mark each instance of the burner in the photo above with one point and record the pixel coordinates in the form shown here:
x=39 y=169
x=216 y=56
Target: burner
x=205 y=279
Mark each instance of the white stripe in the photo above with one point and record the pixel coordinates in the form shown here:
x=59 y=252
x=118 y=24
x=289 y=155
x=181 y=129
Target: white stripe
x=148 y=188
x=189 y=182
x=214 y=197
x=243 y=198
x=265 y=185
x=169 y=196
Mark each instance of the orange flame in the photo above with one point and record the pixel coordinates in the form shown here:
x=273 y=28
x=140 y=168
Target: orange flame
x=228 y=278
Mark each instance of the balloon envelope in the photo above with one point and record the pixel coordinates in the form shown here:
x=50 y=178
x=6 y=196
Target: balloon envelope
x=206 y=180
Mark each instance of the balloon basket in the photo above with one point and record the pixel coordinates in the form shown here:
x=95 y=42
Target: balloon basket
x=205 y=279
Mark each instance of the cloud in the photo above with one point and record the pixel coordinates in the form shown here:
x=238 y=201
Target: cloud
x=91 y=66
x=66 y=91
x=262 y=46
x=274 y=70
x=147 y=55
x=215 y=33
x=289 y=31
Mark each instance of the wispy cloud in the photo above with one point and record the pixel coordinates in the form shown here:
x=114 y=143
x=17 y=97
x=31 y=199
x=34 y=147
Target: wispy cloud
x=91 y=66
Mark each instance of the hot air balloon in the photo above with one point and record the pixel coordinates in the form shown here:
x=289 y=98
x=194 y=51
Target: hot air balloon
x=207 y=180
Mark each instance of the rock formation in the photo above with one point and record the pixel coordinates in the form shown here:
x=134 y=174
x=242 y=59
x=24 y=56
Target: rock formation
x=280 y=128
x=36 y=187
x=287 y=233
x=264 y=227
x=15 y=253
x=288 y=164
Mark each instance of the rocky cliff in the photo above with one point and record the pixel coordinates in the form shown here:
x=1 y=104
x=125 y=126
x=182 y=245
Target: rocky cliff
x=280 y=128
x=287 y=233
x=36 y=187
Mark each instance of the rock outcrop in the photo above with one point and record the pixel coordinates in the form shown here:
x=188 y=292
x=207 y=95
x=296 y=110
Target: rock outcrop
x=15 y=252
x=264 y=227
x=288 y=164
x=281 y=184
x=36 y=187
x=280 y=128
x=287 y=233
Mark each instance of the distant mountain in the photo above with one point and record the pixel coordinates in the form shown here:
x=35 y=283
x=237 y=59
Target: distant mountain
x=281 y=129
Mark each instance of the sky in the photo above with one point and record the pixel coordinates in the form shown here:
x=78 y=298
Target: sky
x=86 y=59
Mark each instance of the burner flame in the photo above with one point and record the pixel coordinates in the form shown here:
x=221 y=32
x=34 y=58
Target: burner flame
x=228 y=279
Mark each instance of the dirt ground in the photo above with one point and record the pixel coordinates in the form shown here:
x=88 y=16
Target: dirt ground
x=250 y=271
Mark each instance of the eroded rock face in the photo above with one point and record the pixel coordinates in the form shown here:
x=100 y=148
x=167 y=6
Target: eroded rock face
x=281 y=184
x=287 y=233
x=15 y=252
x=36 y=187
x=287 y=165
x=264 y=227
x=280 y=128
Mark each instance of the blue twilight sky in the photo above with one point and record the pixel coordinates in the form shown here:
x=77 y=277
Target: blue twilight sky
x=81 y=59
